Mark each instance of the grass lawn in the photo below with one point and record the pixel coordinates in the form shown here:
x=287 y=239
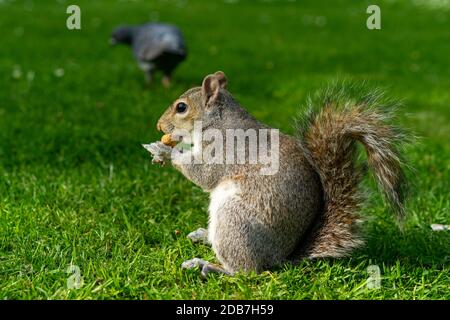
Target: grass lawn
x=76 y=187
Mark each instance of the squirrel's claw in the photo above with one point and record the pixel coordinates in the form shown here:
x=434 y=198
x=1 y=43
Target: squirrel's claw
x=210 y=267
x=206 y=267
x=193 y=263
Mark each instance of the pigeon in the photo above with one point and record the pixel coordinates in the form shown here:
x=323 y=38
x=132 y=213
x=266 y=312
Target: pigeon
x=156 y=46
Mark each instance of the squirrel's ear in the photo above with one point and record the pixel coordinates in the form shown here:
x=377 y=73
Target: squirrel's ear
x=211 y=86
x=222 y=79
x=210 y=89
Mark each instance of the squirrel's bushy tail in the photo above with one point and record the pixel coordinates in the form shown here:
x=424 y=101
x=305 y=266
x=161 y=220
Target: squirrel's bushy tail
x=329 y=135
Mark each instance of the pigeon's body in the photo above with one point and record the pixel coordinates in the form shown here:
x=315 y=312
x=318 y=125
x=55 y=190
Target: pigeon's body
x=155 y=46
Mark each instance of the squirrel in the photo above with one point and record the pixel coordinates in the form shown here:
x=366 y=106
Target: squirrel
x=307 y=209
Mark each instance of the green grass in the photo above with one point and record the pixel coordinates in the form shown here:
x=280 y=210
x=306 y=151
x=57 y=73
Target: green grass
x=77 y=188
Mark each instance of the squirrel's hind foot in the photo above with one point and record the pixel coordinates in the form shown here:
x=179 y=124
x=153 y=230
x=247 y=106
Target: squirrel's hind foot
x=206 y=267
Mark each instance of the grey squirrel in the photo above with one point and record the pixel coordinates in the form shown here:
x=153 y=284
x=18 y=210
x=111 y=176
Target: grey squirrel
x=309 y=207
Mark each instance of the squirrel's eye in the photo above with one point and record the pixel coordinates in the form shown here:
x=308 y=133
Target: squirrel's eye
x=181 y=107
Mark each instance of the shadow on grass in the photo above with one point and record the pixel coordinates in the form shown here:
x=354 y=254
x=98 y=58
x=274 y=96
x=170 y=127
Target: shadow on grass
x=415 y=246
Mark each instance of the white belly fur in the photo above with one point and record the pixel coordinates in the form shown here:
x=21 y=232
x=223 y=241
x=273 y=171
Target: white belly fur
x=220 y=195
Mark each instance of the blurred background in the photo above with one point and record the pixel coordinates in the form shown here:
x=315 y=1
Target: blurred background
x=77 y=188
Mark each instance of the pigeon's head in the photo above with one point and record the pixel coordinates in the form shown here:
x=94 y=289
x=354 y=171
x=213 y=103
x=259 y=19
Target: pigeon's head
x=205 y=104
x=122 y=34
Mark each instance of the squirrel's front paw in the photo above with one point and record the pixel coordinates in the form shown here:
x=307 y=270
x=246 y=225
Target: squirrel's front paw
x=160 y=152
x=199 y=235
